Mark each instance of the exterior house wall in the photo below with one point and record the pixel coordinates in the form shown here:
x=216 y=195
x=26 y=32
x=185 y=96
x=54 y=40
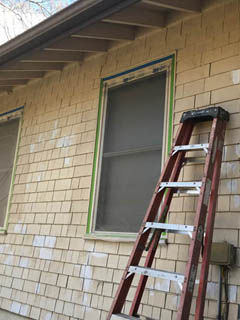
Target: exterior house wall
x=48 y=269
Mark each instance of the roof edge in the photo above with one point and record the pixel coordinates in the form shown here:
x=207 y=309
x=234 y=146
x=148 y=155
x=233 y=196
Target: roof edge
x=74 y=17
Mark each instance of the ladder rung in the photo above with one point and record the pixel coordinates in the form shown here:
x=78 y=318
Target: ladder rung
x=173 y=228
x=156 y=273
x=120 y=316
x=182 y=185
x=191 y=147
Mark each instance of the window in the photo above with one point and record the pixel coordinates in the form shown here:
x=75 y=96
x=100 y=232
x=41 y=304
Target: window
x=8 y=142
x=133 y=144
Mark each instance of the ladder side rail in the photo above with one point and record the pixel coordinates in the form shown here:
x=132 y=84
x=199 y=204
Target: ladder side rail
x=148 y=262
x=151 y=213
x=209 y=228
x=162 y=218
x=199 y=223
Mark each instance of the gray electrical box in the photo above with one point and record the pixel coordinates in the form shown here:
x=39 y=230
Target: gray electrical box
x=223 y=253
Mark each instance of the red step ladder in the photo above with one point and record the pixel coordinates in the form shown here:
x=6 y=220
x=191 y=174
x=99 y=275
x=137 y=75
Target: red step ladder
x=201 y=232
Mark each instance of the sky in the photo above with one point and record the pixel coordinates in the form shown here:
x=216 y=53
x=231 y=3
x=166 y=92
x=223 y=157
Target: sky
x=16 y=16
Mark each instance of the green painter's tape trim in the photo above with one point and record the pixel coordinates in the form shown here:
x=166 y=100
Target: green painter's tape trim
x=97 y=141
x=170 y=117
x=5 y=227
x=95 y=158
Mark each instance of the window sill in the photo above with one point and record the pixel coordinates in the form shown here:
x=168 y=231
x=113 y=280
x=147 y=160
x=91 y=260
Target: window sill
x=3 y=231
x=117 y=238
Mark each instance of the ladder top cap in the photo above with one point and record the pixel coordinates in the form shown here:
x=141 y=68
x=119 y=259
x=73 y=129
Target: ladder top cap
x=206 y=114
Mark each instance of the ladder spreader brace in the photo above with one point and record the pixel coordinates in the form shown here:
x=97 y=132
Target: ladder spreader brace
x=206 y=190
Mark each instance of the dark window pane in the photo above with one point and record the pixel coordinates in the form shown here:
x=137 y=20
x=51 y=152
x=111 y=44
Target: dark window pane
x=8 y=139
x=135 y=114
x=127 y=184
x=132 y=153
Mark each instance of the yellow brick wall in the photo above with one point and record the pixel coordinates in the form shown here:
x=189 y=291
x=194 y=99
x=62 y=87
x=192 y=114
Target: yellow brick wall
x=48 y=270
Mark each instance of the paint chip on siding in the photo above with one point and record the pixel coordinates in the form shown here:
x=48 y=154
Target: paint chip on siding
x=38 y=241
x=45 y=253
x=23 y=262
x=24 y=310
x=50 y=242
x=236 y=76
x=48 y=316
x=15 y=307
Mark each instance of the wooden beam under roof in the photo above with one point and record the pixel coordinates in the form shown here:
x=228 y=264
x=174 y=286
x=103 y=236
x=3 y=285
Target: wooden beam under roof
x=108 y=31
x=21 y=75
x=77 y=44
x=179 y=5
x=138 y=16
x=34 y=66
x=6 y=83
x=53 y=56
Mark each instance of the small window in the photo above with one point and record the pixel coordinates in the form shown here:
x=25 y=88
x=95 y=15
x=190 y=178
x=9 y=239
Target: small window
x=8 y=143
x=131 y=153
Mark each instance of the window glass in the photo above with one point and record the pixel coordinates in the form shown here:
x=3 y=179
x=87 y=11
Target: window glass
x=132 y=153
x=8 y=141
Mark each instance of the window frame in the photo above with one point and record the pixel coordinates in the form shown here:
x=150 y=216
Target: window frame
x=166 y=64
x=5 y=117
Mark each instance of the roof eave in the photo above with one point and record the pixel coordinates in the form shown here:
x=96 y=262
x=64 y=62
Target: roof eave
x=75 y=17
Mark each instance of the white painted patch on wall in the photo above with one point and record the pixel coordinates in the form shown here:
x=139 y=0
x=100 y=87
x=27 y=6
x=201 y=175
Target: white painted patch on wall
x=212 y=290
x=67 y=141
x=234 y=186
x=37 y=288
x=55 y=124
x=24 y=228
x=60 y=143
x=236 y=201
x=98 y=255
x=224 y=156
x=15 y=307
x=24 y=262
x=32 y=148
x=230 y=169
x=18 y=228
x=8 y=249
x=236 y=76
x=85 y=299
x=151 y=293
x=50 y=242
x=45 y=253
x=87 y=284
x=67 y=162
x=229 y=186
x=38 y=241
x=237 y=149
x=48 y=316
x=9 y=260
x=232 y=294
x=39 y=177
x=24 y=309
x=86 y=272
x=54 y=134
